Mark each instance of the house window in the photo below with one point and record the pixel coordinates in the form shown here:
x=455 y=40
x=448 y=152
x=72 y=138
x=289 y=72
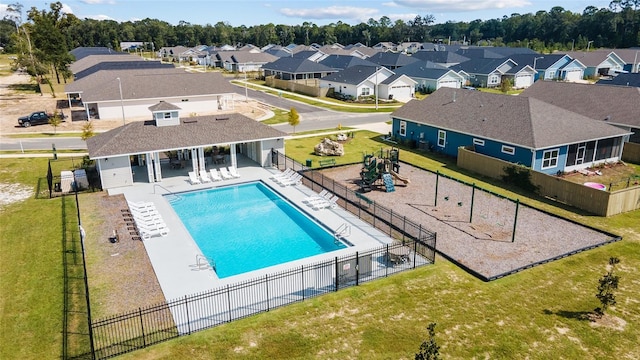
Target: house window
x=366 y=91
x=478 y=142
x=508 y=149
x=442 y=138
x=167 y=115
x=493 y=79
x=550 y=159
x=403 y=128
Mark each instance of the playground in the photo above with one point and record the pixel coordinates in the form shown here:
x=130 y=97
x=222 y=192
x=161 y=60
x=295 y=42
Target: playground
x=488 y=235
x=381 y=171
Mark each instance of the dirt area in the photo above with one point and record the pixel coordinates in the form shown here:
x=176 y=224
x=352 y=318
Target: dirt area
x=14 y=104
x=485 y=245
x=614 y=176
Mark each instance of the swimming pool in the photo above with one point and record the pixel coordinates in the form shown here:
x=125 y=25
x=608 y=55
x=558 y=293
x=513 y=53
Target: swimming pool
x=249 y=227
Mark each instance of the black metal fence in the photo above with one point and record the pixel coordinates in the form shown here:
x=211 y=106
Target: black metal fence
x=414 y=247
x=147 y=326
x=55 y=182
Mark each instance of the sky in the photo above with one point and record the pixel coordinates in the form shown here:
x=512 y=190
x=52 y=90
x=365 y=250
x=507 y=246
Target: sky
x=296 y=12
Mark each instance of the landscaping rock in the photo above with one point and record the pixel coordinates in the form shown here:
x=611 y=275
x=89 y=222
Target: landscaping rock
x=328 y=147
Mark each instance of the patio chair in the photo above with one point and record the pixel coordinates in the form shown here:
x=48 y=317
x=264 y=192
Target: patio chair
x=233 y=171
x=285 y=174
x=193 y=178
x=204 y=176
x=225 y=174
x=292 y=181
x=316 y=197
x=331 y=203
x=215 y=175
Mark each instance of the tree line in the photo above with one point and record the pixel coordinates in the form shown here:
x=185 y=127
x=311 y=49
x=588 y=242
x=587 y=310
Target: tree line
x=49 y=35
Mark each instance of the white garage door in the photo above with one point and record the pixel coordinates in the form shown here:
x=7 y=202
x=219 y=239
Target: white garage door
x=573 y=75
x=449 y=84
x=523 y=81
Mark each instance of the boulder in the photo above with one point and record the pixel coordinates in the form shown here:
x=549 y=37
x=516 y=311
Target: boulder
x=328 y=147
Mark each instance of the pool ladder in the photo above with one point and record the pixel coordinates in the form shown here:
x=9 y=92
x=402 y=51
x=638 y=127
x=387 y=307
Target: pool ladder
x=343 y=230
x=205 y=262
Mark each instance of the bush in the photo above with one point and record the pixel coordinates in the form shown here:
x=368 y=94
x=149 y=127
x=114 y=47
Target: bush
x=519 y=176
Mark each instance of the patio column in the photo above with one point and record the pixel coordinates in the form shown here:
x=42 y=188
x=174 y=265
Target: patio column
x=201 y=160
x=232 y=152
x=158 y=168
x=86 y=109
x=69 y=100
x=149 y=158
x=194 y=161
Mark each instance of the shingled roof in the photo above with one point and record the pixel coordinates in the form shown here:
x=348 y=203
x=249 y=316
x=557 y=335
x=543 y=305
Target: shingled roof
x=619 y=105
x=516 y=120
x=157 y=86
x=354 y=75
x=144 y=136
x=297 y=66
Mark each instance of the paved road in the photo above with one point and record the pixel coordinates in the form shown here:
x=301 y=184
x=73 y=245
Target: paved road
x=61 y=143
x=311 y=118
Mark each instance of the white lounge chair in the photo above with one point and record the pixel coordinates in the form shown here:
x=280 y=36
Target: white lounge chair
x=215 y=175
x=331 y=203
x=316 y=197
x=193 y=178
x=294 y=180
x=149 y=233
x=285 y=174
x=285 y=177
x=225 y=174
x=320 y=200
x=233 y=171
x=204 y=176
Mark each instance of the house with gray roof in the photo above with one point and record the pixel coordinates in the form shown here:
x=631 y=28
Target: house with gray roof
x=167 y=145
x=341 y=62
x=444 y=58
x=615 y=105
x=517 y=129
x=430 y=76
x=485 y=72
x=627 y=79
x=391 y=60
x=89 y=61
x=242 y=60
x=552 y=66
x=599 y=62
x=363 y=81
x=130 y=94
x=84 y=51
x=291 y=68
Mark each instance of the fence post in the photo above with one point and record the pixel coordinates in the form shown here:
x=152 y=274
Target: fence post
x=357 y=269
x=266 y=282
x=186 y=306
x=229 y=302
x=404 y=226
x=435 y=201
x=473 y=195
x=390 y=222
x=337 y=283
x=386 y=262
x=144 y=342
x=415 y=250
x=515 y=221
x=302 y=271
x=374 y=214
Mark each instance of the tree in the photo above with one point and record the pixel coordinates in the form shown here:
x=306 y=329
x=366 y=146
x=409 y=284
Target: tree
x=429 y=350
x=55 y=121
x=607 y=284
x=87 y=131
x=505 y=85
x=294 y=118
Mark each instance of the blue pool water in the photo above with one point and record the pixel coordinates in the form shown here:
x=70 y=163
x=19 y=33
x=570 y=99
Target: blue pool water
x=248 y=227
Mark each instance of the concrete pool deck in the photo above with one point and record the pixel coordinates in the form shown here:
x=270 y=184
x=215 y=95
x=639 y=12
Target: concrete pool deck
x=175 y=257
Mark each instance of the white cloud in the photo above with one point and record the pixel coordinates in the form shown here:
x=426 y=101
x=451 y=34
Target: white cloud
x=99 y=17
x=331 y=12
x=66 y=9
x=403 y=17
x=461 y=5
x=390 y=4
x=98 y=2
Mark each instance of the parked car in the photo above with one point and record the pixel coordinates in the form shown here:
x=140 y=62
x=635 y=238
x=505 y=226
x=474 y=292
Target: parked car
x=38 y=118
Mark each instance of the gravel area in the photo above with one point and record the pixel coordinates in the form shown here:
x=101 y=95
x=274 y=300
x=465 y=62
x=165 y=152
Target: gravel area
x=483 y=246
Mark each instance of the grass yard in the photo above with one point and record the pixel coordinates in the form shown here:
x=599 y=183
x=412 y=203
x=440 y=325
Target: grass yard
x=536 y=314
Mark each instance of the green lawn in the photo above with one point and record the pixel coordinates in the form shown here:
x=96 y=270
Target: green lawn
x=535 y=314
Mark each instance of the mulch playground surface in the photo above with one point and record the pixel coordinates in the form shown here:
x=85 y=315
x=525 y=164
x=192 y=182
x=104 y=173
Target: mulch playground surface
x=485 y=246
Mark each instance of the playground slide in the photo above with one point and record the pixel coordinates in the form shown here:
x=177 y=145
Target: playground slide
x=400 y=178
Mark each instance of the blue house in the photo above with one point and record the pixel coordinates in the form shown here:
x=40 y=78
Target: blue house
x=517 y=129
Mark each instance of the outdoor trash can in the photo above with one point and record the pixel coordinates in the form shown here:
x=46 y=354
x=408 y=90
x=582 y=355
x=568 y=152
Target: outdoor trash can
x=309 y=163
